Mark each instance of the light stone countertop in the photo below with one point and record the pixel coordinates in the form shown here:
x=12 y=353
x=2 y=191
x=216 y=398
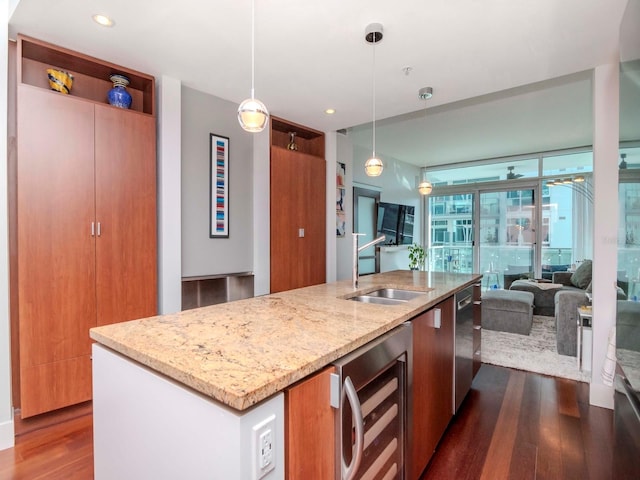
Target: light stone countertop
x=240 y=353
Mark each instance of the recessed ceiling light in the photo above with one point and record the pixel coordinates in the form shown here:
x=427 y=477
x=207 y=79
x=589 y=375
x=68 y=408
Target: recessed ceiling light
x=330 y=111
x=103 y=20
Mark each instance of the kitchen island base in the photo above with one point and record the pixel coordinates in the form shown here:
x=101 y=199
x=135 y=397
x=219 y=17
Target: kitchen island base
x=147 y=426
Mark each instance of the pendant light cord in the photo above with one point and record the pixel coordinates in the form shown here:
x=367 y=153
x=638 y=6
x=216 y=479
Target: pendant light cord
x=374 y=95
x=253 y=45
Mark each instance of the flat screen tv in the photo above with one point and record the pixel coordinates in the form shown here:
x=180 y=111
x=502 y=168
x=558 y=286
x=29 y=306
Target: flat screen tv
x=395 y=221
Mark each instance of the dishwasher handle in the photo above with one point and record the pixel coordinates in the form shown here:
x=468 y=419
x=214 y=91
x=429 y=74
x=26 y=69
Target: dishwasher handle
x=349 y=391
x=464 y=302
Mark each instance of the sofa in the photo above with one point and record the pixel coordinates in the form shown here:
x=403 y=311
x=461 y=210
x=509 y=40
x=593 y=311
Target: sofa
x=572 y=295
x=628 y=325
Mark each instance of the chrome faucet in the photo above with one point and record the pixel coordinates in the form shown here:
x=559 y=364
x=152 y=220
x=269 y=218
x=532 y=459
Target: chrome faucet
x=356 y=250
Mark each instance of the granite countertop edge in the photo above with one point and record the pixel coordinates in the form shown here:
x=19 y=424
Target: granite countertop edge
x=240 y=353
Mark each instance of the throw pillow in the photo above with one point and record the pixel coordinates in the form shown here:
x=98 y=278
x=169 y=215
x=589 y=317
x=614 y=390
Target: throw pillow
x=582 y=276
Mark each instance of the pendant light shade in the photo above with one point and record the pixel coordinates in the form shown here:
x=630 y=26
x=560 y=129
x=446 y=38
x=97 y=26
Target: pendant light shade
x=373 y=167
x=373 y=34
x=425 y=188
x=252 y=114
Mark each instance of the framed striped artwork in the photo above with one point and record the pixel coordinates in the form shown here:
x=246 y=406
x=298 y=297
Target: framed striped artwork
x=219 y=187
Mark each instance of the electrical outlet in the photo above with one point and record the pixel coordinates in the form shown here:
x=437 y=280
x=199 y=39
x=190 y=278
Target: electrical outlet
x=264 y=447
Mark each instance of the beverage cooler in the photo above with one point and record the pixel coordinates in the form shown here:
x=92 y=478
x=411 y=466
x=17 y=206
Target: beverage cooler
x=369 y=391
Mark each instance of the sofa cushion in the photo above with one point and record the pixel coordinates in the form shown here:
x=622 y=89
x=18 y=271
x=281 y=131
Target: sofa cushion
x=582 y=276
x=619 y=291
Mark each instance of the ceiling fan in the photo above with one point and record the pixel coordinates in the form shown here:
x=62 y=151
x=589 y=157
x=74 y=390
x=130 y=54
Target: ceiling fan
x=511 y=175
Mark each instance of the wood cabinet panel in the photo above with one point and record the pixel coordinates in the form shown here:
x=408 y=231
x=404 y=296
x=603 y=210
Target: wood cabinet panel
x=298 y=201
x=433 y=363
x=55 y=385
x=285 y=196
x=310 y=429
x=126 y=249
x=55 y=206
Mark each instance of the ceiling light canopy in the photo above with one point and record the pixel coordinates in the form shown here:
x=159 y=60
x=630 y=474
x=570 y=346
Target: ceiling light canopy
x=425 y=93
x=253 y=116
x=373 y=34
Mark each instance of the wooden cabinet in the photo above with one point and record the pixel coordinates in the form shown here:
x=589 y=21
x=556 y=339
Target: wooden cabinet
x=298 y=207
x=86 y=223
x=433 y=361
x=310 y=429
x=477 y=328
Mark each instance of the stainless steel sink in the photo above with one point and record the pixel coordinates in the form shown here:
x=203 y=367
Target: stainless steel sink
x=387 y=296
x=395 y=294
x=377 y=300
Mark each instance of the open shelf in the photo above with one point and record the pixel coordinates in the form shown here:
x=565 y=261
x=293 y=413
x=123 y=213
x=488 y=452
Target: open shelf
x=91 y=75
x=308 y=140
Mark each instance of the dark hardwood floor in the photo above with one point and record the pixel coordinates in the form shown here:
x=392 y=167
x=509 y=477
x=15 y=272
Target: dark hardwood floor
x=59 y=452
x=513 y=425
x=520 y=425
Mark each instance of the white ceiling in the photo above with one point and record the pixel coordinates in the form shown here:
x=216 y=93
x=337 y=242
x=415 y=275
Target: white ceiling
x=492 y=58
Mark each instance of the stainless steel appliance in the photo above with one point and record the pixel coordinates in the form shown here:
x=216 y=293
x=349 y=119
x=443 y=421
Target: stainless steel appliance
x=626 y=450
x=463 y=368
x=370 y=391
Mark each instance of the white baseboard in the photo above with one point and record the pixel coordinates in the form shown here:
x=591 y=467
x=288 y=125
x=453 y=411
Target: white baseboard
x=7 y=435
x=600 y=395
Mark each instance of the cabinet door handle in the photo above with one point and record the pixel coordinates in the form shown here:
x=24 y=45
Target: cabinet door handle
x=93 y=229
x=477 y=327
x=349 y=391
x=99 y=229
x=437 y=318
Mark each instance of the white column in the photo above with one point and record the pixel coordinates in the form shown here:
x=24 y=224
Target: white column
x=606 y=88
x=6 y=410
x=169 y=195
x=261 y=213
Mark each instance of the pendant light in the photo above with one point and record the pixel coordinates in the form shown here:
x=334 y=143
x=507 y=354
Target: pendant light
x=252 y=114
x=425 y=93
x=425 y=187
x=373 y=34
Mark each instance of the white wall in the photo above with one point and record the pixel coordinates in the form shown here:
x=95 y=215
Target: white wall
x=6 y=412
x=261 y=213
x=397 y=184
x=169 y=195
x=203 y=114
x=344 y=246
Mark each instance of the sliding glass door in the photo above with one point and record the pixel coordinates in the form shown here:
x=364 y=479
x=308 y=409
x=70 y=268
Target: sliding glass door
x=503 y=224
x=507 y=238
x=451 y=233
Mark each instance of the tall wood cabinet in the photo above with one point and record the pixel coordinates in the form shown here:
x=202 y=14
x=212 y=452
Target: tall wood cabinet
x=298 y=207
x=85 y=208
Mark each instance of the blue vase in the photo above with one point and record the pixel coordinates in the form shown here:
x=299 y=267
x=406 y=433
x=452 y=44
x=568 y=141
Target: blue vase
x=118 y=95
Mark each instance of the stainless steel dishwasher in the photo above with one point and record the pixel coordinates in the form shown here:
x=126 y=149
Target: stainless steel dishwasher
x=370 y=392
x=463 y=368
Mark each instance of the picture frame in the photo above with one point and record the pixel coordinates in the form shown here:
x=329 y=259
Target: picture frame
x=341 y=193
x=218 y=186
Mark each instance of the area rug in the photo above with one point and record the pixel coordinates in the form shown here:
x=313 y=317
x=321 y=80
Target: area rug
x=534 y=353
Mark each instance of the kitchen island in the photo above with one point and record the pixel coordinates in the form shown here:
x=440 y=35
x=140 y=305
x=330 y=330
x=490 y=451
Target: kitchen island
x=187 y=389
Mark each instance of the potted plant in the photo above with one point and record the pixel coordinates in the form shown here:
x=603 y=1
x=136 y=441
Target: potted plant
x=417 y=257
